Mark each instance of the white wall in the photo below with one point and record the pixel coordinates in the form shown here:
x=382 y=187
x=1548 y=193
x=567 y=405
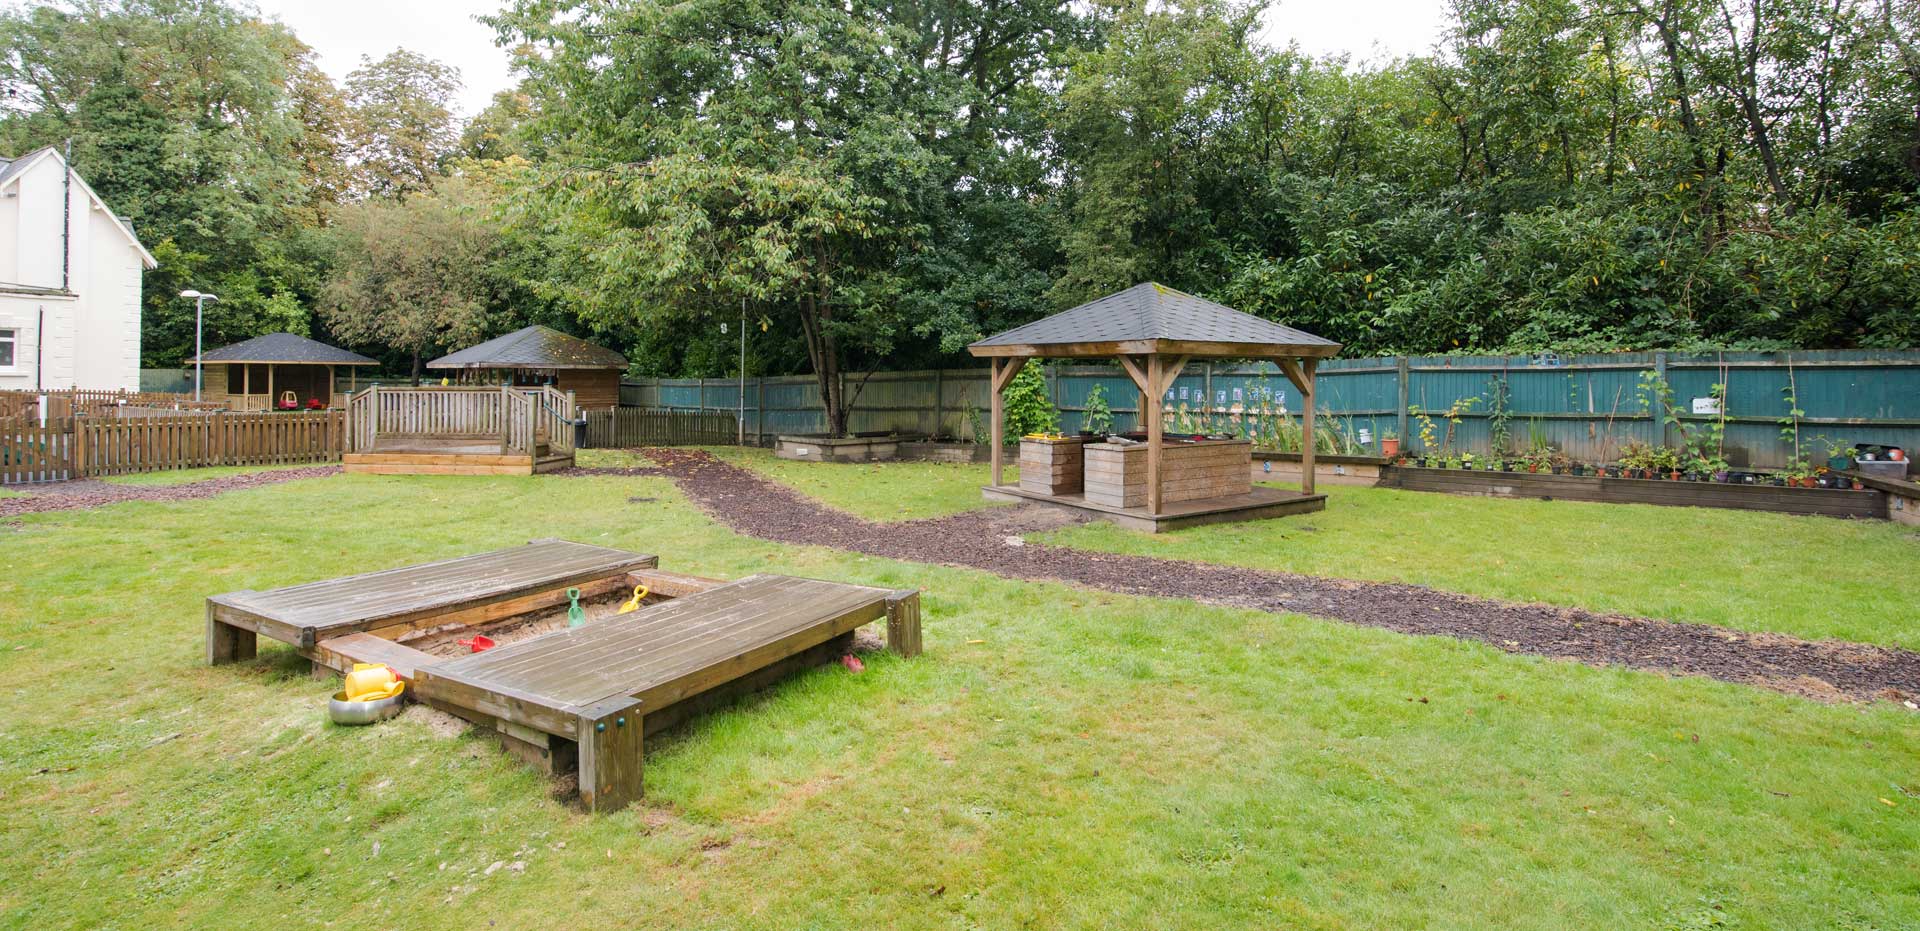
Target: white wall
x=92 y=339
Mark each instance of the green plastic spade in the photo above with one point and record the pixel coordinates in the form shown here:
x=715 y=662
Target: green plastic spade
x=575 y=616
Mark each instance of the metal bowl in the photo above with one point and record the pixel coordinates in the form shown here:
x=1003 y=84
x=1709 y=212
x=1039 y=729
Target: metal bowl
x=353 y=713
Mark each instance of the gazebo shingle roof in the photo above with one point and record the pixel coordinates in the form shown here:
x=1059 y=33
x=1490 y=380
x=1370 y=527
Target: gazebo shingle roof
x=1155 y=312
x=534 y=347
x=283 y=348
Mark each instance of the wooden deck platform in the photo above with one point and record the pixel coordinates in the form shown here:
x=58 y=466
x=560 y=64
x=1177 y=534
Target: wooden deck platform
x=1260 y=504
x=452 y=457
x=580 y=698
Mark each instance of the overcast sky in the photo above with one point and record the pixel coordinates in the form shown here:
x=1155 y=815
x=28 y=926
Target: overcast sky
x=343 y=30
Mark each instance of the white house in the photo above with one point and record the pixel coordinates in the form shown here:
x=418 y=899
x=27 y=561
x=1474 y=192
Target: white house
x=69 y=281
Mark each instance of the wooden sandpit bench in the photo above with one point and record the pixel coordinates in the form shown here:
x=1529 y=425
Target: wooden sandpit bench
x=575 y=699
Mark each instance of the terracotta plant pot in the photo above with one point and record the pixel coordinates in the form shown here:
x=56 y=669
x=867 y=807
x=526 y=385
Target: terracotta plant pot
x=1390 y=448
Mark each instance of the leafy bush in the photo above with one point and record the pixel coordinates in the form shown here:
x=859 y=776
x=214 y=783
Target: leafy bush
x=1028 y=408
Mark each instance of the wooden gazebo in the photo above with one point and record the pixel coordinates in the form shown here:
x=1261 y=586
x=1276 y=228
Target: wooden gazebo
x=274 y=371
x=537 y=355
x=1154 y=331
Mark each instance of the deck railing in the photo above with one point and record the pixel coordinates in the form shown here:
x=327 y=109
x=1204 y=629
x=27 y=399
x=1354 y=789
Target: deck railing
x=519 y=418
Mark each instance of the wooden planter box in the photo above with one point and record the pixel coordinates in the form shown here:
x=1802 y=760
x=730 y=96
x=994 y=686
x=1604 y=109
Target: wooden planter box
x=1829 y=502
x=1053 y=467
x=1117 y=475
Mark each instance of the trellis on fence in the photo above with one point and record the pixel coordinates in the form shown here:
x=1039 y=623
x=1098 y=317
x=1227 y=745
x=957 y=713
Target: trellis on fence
x=632 y=426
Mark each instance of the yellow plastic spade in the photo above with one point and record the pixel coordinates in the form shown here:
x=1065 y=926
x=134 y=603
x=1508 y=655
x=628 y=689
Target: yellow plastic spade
x=633 y=604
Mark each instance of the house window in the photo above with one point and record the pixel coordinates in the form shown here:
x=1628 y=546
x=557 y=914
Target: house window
x=8 y=340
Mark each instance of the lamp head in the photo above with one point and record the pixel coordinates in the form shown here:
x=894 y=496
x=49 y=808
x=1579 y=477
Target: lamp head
x=189 y=294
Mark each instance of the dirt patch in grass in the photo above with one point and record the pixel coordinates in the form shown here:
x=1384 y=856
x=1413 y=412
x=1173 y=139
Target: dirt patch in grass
x=76 y=495
x=990 y=540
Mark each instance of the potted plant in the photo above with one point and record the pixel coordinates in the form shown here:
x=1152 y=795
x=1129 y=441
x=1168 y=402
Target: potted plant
x=1389 y=444
x=1839 y=454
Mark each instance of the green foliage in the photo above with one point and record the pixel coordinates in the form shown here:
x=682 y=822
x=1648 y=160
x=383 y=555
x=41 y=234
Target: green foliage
x=1098 y=416
x=1028 y=407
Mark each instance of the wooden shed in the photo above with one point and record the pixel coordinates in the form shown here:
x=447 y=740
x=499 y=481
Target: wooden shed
x=278 y=371
x=539 y=355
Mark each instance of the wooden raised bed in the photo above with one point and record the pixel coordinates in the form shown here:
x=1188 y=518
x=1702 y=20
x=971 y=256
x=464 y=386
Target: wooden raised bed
x=1053 y=466
x=1117 y=475
x=1826 y=502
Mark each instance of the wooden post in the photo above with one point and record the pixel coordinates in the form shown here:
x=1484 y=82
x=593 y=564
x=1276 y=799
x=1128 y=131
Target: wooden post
x=246 y=383
x=1002 y=374
x=269 y=387
x=1406 y=442
x=506 y=418
x=903 y=623
x=937 y=391
x=611 y=747
x=1155 y=429
x=226 y=643
x=1307 y=367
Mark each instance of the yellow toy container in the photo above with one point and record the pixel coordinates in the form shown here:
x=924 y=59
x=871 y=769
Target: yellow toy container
x=372 y=681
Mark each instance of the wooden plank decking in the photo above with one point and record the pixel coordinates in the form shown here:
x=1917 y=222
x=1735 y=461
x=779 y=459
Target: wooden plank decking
x=630 y=668
x=1260 y=503
x=304 y=614
x=586 y=695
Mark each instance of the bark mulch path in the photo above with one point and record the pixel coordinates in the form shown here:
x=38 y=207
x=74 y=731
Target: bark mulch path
x=989 y=540
x=88 y=493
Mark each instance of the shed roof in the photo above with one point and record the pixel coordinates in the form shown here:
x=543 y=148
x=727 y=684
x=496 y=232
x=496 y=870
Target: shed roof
x=535 y=347
x=284 y=349
x=1149 y=318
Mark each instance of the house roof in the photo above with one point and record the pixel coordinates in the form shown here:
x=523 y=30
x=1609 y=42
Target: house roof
x=14 y=167
x=1149 y=318
x=284 y=349
x=535 y=347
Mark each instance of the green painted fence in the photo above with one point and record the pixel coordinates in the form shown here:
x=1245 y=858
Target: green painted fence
x=1585 y=405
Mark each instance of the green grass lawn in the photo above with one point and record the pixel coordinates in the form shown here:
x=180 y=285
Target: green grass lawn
x=1806 y=576
x=1056 y=759
x=877 y=490
x=185 y=476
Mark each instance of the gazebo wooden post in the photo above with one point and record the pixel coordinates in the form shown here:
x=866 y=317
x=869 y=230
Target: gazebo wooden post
x=1155 y=433
x=1004 y=368
x=270 y=401
x=1306 y=431
x=246 y=383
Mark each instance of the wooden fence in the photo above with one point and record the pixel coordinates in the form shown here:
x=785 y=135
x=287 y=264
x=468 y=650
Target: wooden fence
x=35 y=454
x=61 y=407
x=1585 y=406
x=97 y=446
x=631 y=426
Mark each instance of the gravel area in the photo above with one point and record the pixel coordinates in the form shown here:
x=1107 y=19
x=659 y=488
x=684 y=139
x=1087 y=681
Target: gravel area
x=989 y=540
x=86 y=493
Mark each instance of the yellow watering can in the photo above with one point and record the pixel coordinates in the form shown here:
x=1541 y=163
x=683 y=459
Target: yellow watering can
x=372 y=682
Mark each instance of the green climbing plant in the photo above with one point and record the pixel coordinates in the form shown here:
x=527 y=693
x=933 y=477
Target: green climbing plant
x=1098 y=417
x=1028 y=409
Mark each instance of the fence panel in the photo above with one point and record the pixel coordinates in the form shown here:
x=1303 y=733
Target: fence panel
x=35 y=454
x=1587 y=406
x=625 y=427
x=153 y=444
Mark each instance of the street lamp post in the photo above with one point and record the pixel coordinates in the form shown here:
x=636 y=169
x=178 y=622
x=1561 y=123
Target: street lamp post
x=199 y=300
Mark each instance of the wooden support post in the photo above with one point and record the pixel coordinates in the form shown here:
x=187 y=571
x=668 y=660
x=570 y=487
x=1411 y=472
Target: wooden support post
x=226 y=643
x=903 y=623
x=611 y=748
x=1155 y=429
x=1002 y=374
x=246 y=383
x=270 y=396
x=1307 y=367
x=1404 y=370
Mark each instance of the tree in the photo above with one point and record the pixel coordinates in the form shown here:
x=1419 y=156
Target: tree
x=181 y=114
x=402 y=127
x=416 y=275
